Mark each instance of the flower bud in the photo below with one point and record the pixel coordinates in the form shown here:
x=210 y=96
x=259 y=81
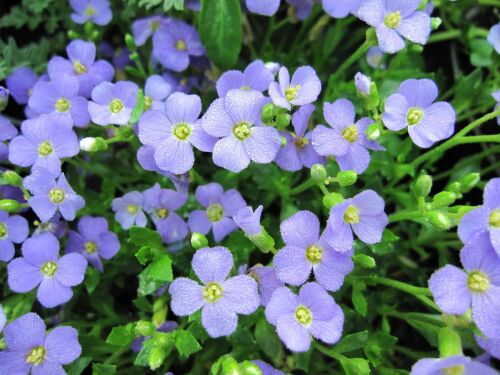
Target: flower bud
x=156 y=358
x=267 y=115
x=130 y=42
x=273 y=67
x=250 y=368
x=283 y=141
x=283 y=120
x=125 y=131
x=10 y=205
x=449 y=342
x=12 y=178
x=362 y=84
x=263 y=241
x=439 y=220
x=364 y=261
x=422 y=186
x=318 y=173
x=373 y=132
x=332 y=199
x=4 y=98
x=371 y=36
x=72 y=34
x=230 y=367
x=198 y=240
x=91 y=144
x=144 y=328
x=469 y=181
x=435 y=22
x=443 y=199
x=455 y=187
x=347 y=178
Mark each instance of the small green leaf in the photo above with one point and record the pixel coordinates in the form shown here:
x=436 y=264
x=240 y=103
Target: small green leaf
x=121 y=335
x=145 y=237
x=92 y=279
x=139 y=107
x=100 y=369
x=79 y=365
x=186 y=344
x=358 y=299
x=352 y=342
x=155 y=275
x=355 y=366
x=266 y=338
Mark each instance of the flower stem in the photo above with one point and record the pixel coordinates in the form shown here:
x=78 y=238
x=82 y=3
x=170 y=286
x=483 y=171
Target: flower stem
x=302 y=187
x=444 y=35
x=352 y=59
x=405 y=215
x=415 y=290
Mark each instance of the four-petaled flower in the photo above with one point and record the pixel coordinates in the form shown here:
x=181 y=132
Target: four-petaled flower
x=303 y=89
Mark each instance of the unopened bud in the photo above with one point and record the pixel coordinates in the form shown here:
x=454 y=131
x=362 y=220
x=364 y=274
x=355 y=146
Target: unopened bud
x=450 y=343
x=130 y=42
x=10 y=205
x=91 y=144
x=332 y=199
x=364 y=261
x=318 y=173
x=422 y=186
x=198 y=240
x=435 y=23
x=455 y=187
x=230 y=367
x=250 y=368
x=347 y=178
x=283 y=120
x=144 y=328
x=12 y=178
x=268 y=113
x=4 y=98
x=156 y=358
x=439 y=220
x=374 y=132
x=469 y=181
x=443 y=199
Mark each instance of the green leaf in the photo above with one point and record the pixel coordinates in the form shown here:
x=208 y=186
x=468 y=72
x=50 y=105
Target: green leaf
x=155 y=275
x=100 y=369
x=145 y=237
x=121 y=335
x=266 y=338
x=139 y=107
x=352 y=342
x=186 y=344
x=144 y=255
x=220 y=31
x=79 y=365
x=92 y=279
x=358 y=299
x=355 y=366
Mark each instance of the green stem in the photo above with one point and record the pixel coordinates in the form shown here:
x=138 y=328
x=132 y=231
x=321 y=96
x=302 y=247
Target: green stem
x=493 y=3
x=352 y=59
x=444 y=35
x=480 y=139
x=405 y=215
x=302 y=187
x=405 y=287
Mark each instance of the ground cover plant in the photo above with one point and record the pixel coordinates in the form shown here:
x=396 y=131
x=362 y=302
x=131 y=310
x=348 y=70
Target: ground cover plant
x=250 y=187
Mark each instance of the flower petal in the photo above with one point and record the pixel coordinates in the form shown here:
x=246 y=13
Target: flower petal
x=448 y=285
x=212 y=264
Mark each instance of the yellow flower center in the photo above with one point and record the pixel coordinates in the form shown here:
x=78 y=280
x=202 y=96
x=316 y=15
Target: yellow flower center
x=495 y=218
x=212 y=292
x=182 y=131
x=56 y=195
x=242 y=130
x=478 y=282
x=90 y=11
x=215 y=212
x=62 y=105
x=49 y=268
x=36 y=356
x=162 y=213
x=245 y=88
x=392 y=20
x=148 y=101
x=303 y=315
x=292 y=92
x=115 y=105
x=351 y=215
x=180 y=45
x=154 y=25
x=301 y=142
x=132 y=209
x=90 y=247
x=3 y=231
x=455 y=370
x=79 y=68
x=414 y=116
x=314 y=254
x=350 y=133
x=45 y=149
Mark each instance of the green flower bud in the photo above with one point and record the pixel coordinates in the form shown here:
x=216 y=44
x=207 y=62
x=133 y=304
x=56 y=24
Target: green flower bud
x=4 y=98
x=198 y=240
x=422 y=186
x=72 y=34
x=3 y=345
x=130 y=42
x=456 y=188
x=230 y=367
x=332 y=199
x=124 y=131
x=156 y=358
x=12 y=178
x=373 y=132
x=443 y=199
x=134 y=56
x=250 y=368
x=10 y=205
x=283 y=120
x=449 y=342
x=263 y=241
x=268 y=112
x=318 y=173
x=91 y=144
x=469 y=181
x=435 y=22
x=347 y=178
x=439 y=220
x=364 y=261
x=371 y=37
x=144 y=328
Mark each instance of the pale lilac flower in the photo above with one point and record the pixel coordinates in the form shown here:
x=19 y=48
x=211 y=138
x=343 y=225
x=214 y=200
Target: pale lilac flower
x=174 y=43
x=219 y=208
x=304 y=88
x=301 y=8
x=341 y=8
x=248 y=220
x=491 y=346
x=174 y=132
x=254 y=77
x=45 y=140
x=144 y=28
x=362 y=83
x=156 y=90
x=374 y=58
x=7 y=132
x=413 y=107
x=364 y=214
x=484 y=221
x=235 y=119
x=93 y=240
x=394 y=20
x=161 y=205
x=51 y=194
x=494 y=37
x=129 y=210
x=82 y=65
x=346 y=139
x=30 y=348
x=267 y=281
x=96 y=11
x=220 y=298
x=263 y=7
x=457 y=364
x=55 y=225
x=299 y=151
x=113 y=103
x=41 y=265
x=477 y=286
x=312 y=313
x=305 y=251
x=13 y=229
x=60 y=97
x=20 y=84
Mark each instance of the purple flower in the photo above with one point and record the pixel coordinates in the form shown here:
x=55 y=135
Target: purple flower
x=51 y=194
x=412 y=106
x=41 y=265
x=457 y=364
x=7 y=131
x=363 y=84
x=341 y=8
x=364 y=214
x=306 y=250
x=266 y=368
x=393 y=20
x=45 y=140
x=173 y=133
x=304 y=87
x=219 y=207
x=254 y=77
x=220 y=298
x=483 y=222
x=82 y=65
x=60 y=98
x=96 y=11
x=263 y=7
x=3 y=319
x=267 y=281
x=248 y=220
x=302 y=8
x=298 y=151
x=144 y=28
x=13 y=229
x=4 y=98
x=477 y=286
x=491 y=346
x=156 y=90
x=174 y=43
x=129 y=210
x=312 y=313
x=494 y=37
x=161 y=205
x=11 y=192
x=93 y=240
x=113 y=103
x=346 y=139
x=20 y=84
x=29 y=347
x=374 y=58
x=179 y=83
x=236 y=120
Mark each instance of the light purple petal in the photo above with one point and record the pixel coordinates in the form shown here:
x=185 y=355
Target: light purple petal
x=369 y=203
x=372 y=12
x=485 y=307
x=472 y=224
x=216 y=122
x=283 y=301
x=437 y=124
x=356 y=159
x=7 y=250
x=301 y=229
x=492 y=193
x=263 y=7
x=419 y=92
x=339 y=114
x=183 y=108
x=328 y=141
x=154 y=127
x=187 y=296
x=292 y=266
x=218 y=320
x=198 y=222
x=310 y=85
x=200 y=139
x=389 y=40
x=334 y=266
x=71 y=269
x=244 y=106
x=231 y=79
x=212 y=264
x=52 y=293
x=232 y=202
x=25 y=332
x=41 y=249
x=370 y=228
x=62 y=345
x=329 y=331
x=172 y=229
x=240 y=294
x=174 y=155
x=293 y=334
x=229 y=153
x=17 y=228
x=263 y=144
x=448 y=286
x=416 y=27
x=222 y=228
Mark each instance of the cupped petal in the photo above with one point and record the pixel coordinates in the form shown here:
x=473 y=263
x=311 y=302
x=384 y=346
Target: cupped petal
x=292 y=266
x=231 y=79
x=332 y=269
x=369 y=203
x=244 y=106
x=328 y=141
x=356 y=159
x=437 y=124
x=183 y=108
x=41 y=249
x=307 y=80
x=329 y=331
x=263 y=7
x=216 y=121
x=395 y=110
x=212 y=264
x=416 y=27
x=388 y=39
x=187 y=296
x=209 y=194
x=232 y=202
x=372 y=12
x=23 y=276
x=222 y=228
x=172 y=229
x=318 y=301
x=174 y=155
x=339 y=114
x=154 y=127
x=370 y=228
x=241 y=294
x=419 y=92
x=200 y=139
x=198 y=222
x=448 y=286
